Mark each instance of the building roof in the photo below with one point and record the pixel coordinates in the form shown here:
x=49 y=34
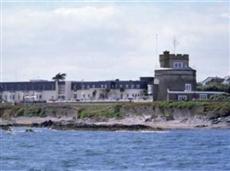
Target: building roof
x=212 y=79
x=27 y=86
x=226 y=80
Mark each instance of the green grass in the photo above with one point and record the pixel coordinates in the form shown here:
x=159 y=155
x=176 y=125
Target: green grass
x=106 y=111
x=112 y=110
x=30 y=110
x=180 y=104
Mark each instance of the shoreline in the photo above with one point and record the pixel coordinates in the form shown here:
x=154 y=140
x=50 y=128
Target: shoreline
x=118 y=116
x=126 y=124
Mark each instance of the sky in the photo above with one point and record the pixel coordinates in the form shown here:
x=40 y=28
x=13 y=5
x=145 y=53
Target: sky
x=106 y=40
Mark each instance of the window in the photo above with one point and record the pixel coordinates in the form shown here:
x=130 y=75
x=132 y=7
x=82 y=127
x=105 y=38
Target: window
x=178 y=65
x=188 y=87
x=127 y=86
x=203 y=97
x=182 y=97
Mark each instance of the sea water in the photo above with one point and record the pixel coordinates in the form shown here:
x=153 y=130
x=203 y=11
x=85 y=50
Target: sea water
x=52 y=150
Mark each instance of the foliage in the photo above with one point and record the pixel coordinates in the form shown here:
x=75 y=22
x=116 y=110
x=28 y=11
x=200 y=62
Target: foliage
x=145 y=92
x=59 y=76
x=112 y=110
x=180 y=104
x=222 y=97
x=122 y=89
x=214 y=87
x=222 y=107
x=30 y=111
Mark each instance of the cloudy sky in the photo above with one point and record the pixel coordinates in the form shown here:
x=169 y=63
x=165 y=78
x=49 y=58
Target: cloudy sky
x=109 y=40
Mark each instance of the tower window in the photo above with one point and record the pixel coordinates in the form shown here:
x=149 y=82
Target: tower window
x=203 y=96
x=178 y=65
x=188 y=87
x=182 y=97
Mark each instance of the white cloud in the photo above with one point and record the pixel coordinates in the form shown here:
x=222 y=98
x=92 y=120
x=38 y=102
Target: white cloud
x=107 y=42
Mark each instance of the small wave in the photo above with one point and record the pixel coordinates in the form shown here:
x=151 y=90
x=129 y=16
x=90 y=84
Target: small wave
x=158 y=132
x=143 y=131
x=16 y=130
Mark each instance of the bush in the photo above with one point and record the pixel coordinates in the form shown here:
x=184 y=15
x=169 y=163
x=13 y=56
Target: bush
x=222 y=97
x=214 y=87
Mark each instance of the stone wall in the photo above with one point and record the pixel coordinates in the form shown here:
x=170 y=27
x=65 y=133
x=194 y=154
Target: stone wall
x=174 y=80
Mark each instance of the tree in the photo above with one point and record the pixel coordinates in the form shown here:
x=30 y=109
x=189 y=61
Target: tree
x=59 y=76
x=94 y=93
x=122 y=89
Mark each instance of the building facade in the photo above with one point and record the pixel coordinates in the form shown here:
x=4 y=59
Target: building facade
x=174 y=80
x=48 y=91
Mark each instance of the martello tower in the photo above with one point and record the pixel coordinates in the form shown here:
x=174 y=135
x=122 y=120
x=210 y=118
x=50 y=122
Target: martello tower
x=174 y=74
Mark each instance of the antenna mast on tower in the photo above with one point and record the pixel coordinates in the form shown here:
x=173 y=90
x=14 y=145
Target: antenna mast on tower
x=156 y=50
x=175 y=43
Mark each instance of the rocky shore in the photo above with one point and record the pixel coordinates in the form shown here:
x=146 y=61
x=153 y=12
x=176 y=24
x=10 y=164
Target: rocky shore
x=118 y=116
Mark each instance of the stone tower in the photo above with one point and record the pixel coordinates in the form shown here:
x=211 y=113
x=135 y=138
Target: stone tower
x=174 y=74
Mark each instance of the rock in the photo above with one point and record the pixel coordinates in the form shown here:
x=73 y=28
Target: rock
x=29 y=130
x=201 y=126
x=6 y=128
x=35 y=125
x=47 y=123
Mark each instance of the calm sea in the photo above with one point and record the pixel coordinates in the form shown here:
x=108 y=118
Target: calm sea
x=179 y=150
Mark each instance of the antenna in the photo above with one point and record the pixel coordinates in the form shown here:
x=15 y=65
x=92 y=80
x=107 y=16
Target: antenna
x=175 y=43
x=156 y=50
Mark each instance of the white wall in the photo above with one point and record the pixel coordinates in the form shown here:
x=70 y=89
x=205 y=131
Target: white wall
x=113 y=94
x=18 y=96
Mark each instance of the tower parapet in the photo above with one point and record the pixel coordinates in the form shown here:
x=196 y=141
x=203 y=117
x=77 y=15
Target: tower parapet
x=177 y=61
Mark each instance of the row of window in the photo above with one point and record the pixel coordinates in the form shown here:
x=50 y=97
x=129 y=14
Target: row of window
x=14 y=97
x=179 y=65
x=185 y=97
x=126 y=95
x=28 y=87
x=127 y=86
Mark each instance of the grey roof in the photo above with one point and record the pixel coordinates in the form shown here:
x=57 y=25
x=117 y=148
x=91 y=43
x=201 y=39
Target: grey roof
x=113 y=84
x=27 y=86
